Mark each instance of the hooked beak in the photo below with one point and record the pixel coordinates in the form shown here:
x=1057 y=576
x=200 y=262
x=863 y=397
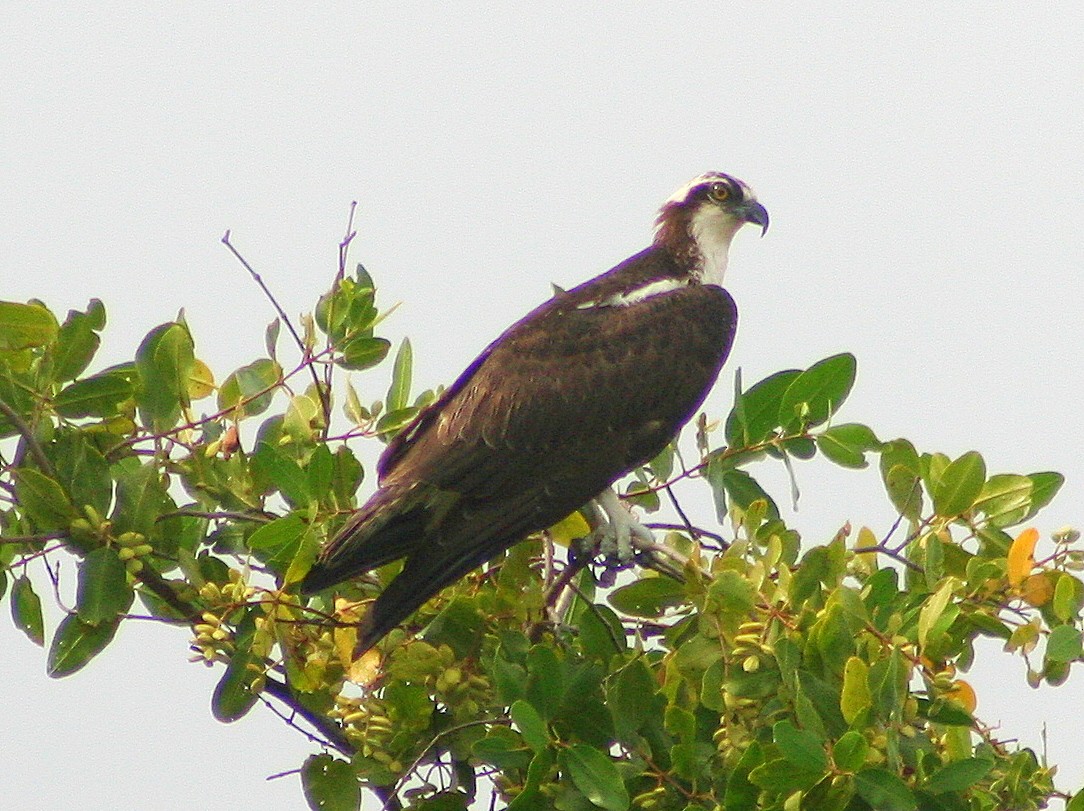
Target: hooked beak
x=755 y=213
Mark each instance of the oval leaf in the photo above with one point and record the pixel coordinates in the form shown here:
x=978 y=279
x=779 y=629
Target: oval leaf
x=96 y=396
x=959 y=775
x=596 y=776
x=25 y=325
x=330 y=784
x=530 y=725
x=103 y=587
x=399 y=392
x=43 y=500
x=818 y=392
x=1021 y=560
x=648 y=597
x=884 y=791
x=959 y=485
x=76 y=643
x=800 y=747
x=26 y=611
x=233 y=696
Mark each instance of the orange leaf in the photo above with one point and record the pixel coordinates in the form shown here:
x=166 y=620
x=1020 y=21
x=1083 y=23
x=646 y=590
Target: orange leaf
x=963 y=694
x=1021 y=559
x=1038 y=590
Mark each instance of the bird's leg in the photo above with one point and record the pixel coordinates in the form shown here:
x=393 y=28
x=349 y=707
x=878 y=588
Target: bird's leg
x=620 y=535
x=619 y=532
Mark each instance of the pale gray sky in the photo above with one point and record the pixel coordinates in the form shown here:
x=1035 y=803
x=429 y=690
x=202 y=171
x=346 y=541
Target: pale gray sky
x=923 y=166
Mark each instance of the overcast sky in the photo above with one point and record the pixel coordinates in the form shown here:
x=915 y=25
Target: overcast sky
x=923 y=166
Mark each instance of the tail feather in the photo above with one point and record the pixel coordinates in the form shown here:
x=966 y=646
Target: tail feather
x=382 y=531
x=440 y=561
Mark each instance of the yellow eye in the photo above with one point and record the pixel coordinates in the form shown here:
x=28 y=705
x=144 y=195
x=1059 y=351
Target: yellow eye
x=719 y=192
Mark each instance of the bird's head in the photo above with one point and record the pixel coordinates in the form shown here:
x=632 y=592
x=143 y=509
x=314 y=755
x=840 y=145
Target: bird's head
x=700 y=219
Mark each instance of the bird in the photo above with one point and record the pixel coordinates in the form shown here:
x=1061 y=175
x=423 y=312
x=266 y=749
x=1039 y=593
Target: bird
x=589 y=385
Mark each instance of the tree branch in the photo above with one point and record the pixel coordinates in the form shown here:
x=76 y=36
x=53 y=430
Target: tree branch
x=31 y=441
x=331 y=731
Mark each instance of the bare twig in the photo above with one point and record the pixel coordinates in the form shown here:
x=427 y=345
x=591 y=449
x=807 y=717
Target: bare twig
x=436 y=739
x=332 y=734
x=325 y=399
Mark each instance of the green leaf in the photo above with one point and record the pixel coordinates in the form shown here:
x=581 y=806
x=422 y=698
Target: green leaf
x=276 y=543
x=283 y=473
x=141 y=498
x=756 y=411
x=631 y=699
x=959 y=485
x=648 y=597
x=164 y=361
x=742 y=489
x=42 y=500
x=855 y=697
x=1064 y=644
x=250 y=389
x=595 y=775
x=503 y=748
x=800 y=747
x=103 y=587
x=25 y=325
x=959 y=775
x=1005 y=499
x=732 y=592
x=884 y=791
x=77 y=342
x=818 y=392
x=530 y=725
x=901 y=472
x=363 y=352
x=1044 y=486
x=26 y=611
x=234 y=695
x=849 y=752
x=82 y=471
x=934 y=607
x=1068 y=597
x=271 y=338
x=330 y=784
x=741 y=794
x=75 y=643
x=847 y=444
x=399 y=391
x=96 y=396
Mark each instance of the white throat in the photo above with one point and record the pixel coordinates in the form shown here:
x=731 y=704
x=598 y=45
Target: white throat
x=713 y=229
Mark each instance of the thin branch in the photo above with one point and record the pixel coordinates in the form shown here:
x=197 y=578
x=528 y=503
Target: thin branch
x=28 y=437
x=225 y=514
x=697 y=532
x=325 y=400
x=332 y=734
x=344 y=246
x=45 y=536
x=436 y=739
x=892 y=553
x=164 y=591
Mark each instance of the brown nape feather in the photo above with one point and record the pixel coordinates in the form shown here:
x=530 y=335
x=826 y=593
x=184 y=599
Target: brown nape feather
x=672 y=232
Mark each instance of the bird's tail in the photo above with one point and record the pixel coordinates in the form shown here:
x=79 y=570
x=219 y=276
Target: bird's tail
x=386 y=528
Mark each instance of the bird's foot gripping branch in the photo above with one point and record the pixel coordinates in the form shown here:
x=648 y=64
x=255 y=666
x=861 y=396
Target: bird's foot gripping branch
x=776 y=673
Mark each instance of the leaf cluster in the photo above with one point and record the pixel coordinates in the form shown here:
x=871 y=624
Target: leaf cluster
x=759 y=671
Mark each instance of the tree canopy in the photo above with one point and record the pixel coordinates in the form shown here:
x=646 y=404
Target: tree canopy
x=757 y=670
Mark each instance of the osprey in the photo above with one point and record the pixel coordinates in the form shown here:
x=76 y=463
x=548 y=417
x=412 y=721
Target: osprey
x=589 y=385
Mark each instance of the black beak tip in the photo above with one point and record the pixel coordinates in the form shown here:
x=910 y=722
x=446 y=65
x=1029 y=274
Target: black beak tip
x=758 y=215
